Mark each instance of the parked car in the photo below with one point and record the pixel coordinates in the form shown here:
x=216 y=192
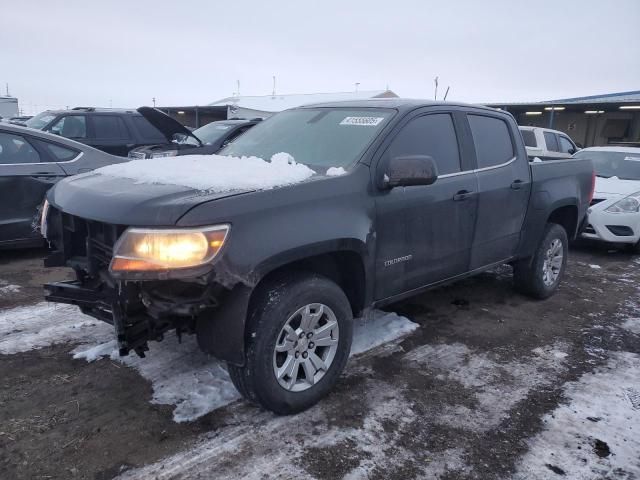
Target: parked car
x=614 y=215
x=17 y=120
x=113 y=131
x=547 y=144
x=205 y=140
x=30 y=163
x=415 y=194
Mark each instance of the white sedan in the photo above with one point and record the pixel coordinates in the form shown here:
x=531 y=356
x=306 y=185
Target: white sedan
x=614 y=215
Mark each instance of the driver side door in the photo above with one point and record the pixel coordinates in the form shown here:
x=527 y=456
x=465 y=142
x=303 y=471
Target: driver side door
x=425 y=233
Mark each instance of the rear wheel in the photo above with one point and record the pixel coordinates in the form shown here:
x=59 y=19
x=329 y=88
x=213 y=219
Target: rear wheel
x=539 y=277
x=298 y=343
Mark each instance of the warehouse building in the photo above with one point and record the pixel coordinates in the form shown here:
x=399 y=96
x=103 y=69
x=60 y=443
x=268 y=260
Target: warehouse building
x=612 y=118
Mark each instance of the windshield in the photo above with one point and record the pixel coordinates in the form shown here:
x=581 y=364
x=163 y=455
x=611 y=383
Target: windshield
x=40 y=121
x=324 y=137
x=212 y=132
x=624 y=165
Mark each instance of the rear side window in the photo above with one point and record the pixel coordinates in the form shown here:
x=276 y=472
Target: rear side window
x=492 y=140
x=71 y=126
x=529 y=138
x=57 y=152
x=147 y=130
x=552 y=142
x=109 y=127
x=432 y=135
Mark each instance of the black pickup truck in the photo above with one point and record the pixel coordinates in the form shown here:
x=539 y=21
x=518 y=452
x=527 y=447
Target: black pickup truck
x=269 y=280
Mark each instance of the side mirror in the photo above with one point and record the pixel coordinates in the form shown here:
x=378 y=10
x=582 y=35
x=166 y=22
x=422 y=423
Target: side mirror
x=410 y=170
x=571 y=151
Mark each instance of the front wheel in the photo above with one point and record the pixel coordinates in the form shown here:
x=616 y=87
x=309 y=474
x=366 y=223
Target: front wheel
x=298 y=343
x=539 y=277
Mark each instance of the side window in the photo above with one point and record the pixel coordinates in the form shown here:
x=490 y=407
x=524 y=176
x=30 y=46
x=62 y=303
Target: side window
x=58 y=152
x=565 y=145
x=109 y=127
x=432 y=135
x=16 y=149
x=552 y=141
x=491 y=139
x=71 y=126
x=146 y=130
x=234 y=135
x=529 y=138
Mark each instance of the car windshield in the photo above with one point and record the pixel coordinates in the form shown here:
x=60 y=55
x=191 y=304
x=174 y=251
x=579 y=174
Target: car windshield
x=212 y=132
x=324 y=137
x=622 y=164
x=40 y=121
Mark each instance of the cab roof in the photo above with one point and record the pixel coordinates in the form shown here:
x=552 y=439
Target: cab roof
x=403 y=104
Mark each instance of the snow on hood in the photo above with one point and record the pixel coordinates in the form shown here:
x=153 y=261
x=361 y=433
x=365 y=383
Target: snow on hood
x=213 y=173
x=614 y=186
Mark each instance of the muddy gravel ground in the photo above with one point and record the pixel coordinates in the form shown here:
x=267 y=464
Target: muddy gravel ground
x=492 y=385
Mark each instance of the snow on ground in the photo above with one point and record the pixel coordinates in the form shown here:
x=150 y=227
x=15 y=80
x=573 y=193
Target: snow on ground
x=497 y=385
x=6 y=289
x=595 y=435
x=214 y=173
x=197 y=384
x=44 y=324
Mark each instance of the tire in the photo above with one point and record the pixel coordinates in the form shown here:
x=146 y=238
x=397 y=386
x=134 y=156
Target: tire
x=290 y=301
x=531 y=276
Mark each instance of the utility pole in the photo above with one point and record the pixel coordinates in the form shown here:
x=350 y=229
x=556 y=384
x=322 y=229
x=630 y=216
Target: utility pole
x=238 y=84
x=435 y=94
x=154 y=102
x=357 y=85
x=274 y=86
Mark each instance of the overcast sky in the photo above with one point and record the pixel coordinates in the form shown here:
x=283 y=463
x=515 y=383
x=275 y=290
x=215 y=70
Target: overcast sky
x=123 y=53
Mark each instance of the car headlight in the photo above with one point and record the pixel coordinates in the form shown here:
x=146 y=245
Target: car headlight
x=168 y=153
x=630 y=204
x=157 y=250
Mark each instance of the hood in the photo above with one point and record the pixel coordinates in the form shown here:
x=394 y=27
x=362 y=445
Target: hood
x=122 y=201
x=615 y=187
x=163 y=122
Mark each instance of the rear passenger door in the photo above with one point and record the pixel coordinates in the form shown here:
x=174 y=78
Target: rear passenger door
x=110 y=134
x=424 y=233
x=26 y=173
x=504 y=184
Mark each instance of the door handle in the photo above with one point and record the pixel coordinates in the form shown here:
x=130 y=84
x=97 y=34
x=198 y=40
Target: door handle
x=463 y=195
x=517 y=184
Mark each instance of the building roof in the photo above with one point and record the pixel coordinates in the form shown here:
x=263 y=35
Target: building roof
x=277 y=103
x=620 y=97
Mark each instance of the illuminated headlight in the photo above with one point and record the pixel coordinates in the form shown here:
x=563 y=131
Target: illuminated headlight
x=630 y=204
x=43 y=218
x=168 y=153
x=156 y=250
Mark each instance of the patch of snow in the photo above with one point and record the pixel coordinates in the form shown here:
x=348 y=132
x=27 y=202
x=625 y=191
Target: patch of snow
x=214 y=173
x=197 y=384
x=335 y=171
x=7 y=289
x=537 y=160
x=595 y=267
x=497 y=385
x=598 y=418
x=44 y=324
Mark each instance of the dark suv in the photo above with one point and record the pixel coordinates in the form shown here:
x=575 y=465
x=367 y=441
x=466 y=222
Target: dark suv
x=115 y=131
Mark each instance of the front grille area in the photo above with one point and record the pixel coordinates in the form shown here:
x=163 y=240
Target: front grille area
x=84 y=244
x=620 y=230
x=589 y=229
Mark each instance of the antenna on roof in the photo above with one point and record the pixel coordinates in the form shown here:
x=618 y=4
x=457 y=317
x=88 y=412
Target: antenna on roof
x=274 y=86
x=435 y=94
x=446 y=93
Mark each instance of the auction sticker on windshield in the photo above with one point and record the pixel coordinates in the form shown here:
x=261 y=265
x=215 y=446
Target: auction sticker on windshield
x=362 y=121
